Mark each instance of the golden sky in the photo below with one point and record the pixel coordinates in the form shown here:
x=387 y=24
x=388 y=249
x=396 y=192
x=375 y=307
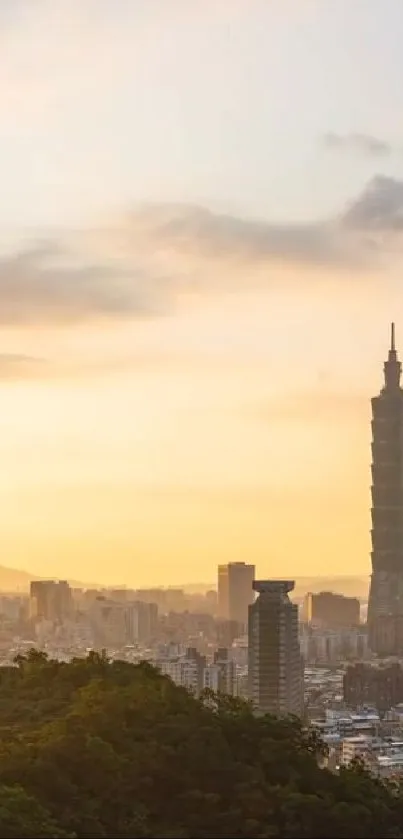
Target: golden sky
x=234 y=426
x=200 y=253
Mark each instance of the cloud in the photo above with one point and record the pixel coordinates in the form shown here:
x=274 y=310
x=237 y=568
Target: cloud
x=379 y=207
x=136 y=266
x=344 y=242
x=361 y=144
x=196 y=229
x=42 y=284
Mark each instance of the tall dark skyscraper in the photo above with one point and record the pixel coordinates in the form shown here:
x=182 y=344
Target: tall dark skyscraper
x=385 y=607
x=275 y=669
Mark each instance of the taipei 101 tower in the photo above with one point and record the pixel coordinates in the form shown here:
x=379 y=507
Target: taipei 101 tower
x=385 y=607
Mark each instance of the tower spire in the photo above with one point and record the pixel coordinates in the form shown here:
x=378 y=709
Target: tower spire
x=392 y=367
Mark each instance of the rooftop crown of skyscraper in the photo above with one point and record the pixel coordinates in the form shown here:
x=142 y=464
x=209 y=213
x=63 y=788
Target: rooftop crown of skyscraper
x=273 y=586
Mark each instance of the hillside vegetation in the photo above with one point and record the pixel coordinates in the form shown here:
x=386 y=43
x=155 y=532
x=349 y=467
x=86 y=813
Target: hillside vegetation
x=93 y=749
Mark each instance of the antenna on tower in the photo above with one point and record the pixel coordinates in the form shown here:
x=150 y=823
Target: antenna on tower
x=392 y=367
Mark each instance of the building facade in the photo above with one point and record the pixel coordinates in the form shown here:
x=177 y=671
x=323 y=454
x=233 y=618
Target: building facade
x=275 y=671
x=220 y=676
x=222 y=592
x=235 y=591
x=385 y=606
x=330 y=610
x=50 y=600
x=325 y=646
x=186 y=670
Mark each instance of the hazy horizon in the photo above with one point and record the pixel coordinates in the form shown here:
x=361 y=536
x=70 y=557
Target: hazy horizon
x=18 y=581
x=201 y=252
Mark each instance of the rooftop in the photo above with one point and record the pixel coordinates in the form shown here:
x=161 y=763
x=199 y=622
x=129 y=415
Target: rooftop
x=273 y=586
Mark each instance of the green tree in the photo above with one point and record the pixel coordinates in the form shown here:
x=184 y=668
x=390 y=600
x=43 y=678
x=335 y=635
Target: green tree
x=22 y=817
x=107 y=749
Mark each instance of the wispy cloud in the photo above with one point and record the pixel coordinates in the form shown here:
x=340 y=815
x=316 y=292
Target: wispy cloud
x=359 y=144
x=135 y=267
x=45 y=284
x=343 y=242
x=187 y=228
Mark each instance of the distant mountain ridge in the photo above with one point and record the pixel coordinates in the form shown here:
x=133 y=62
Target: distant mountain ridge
x=15 y=580
x=12 y=579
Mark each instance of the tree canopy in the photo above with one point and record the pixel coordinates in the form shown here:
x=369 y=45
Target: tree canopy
x=99 y=749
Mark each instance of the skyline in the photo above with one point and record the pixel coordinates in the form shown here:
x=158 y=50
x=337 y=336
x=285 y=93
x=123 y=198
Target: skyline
x=199 y=263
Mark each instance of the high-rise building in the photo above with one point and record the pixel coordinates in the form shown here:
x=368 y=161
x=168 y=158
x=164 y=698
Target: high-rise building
x=235 y=591
x=119 y=622
x=50 y=600
x=39 y=597
x=108 y=622
x=141 y=621
x=385 y=607
x=64 y=601
x=222 y=592
x=275 y=670
x=329 y=610
x=228 y=631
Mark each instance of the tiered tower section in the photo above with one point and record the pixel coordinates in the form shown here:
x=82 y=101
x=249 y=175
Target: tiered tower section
x=385 y=607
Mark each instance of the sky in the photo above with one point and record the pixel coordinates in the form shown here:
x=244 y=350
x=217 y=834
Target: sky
x=201 y=217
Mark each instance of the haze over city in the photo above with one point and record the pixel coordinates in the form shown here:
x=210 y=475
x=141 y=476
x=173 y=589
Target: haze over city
x=201 y=213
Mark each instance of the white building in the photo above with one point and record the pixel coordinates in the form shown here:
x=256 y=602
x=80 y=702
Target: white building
x=186 y=671
x=220 y=677
x=355 y=747
x=182 y=671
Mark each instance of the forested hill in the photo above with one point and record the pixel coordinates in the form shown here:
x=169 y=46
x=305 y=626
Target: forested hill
x=92 y=749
